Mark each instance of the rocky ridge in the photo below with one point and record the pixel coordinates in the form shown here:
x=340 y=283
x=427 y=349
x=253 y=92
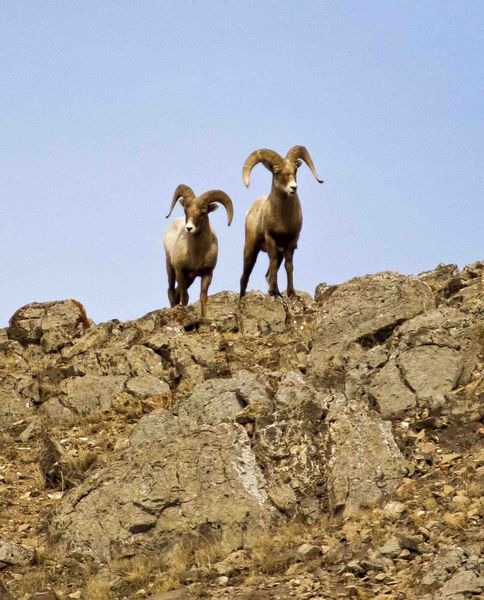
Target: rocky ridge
x=315 y=448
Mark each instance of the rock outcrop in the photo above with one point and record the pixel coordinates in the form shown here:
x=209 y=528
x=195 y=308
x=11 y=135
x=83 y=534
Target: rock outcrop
x=270 y=411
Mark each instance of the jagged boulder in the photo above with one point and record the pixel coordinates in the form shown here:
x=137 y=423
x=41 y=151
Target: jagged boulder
x=291 y=444
x=218 y=400
x=49 y=323
x=428 y=357
x=363 y=311
x=364 y=462
x=262 y=314
x=13 y=408
x=192 y=483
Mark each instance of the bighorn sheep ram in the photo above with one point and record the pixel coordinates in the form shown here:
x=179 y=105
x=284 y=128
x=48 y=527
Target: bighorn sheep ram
x=274 y=222
x=191 y=244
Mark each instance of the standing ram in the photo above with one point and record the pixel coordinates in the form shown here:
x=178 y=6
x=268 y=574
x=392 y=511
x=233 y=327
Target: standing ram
x=274 y=222
x=191 y=244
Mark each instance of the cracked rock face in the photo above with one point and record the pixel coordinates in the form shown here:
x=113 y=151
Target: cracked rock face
x=202 y=482
x=430 y=356
x=364 y=311
x=272 y=410
x=365 y=463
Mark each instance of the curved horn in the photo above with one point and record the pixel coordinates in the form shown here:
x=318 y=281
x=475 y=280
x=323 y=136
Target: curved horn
x=301 y=152
x=182 y=191
x=267 y=157
x=218 y=196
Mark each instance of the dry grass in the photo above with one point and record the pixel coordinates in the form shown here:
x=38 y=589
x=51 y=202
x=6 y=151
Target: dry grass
x=135 y=572
x=407 y=490
x=82 y=460
x=275 y=551
x=160 y=401
x=254 y=579
x=97 y=588
x=44 y=553
x=205 y=553
x=127 y=405
x=454 y=520
x=34 y=580
x=418 y=519
x=430 y=503
x=38 y=478
x=176 y=564
x=161 y=572
x=7 y=446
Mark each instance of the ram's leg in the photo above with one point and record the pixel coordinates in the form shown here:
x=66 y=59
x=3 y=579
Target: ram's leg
x=251 y=252
x=173 y=296
x=280 y=256
x=288 y=263
x=206 y=280
x=185 y=280
x=275 y=259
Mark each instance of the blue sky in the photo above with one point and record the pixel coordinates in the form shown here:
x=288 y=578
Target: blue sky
x=105 y=107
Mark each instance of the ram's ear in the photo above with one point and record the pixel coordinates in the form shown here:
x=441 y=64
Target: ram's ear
x=212 y=207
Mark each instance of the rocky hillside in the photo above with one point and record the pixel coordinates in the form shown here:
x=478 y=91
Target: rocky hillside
x=307 y=448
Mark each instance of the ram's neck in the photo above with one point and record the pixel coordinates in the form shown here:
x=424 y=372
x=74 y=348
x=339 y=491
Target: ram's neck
x=202 y=240
x=286 y=205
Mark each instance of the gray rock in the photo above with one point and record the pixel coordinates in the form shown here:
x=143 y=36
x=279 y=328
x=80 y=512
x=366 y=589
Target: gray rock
x=198 y=358
x=179 y=594
x=145 y=386
x=84 y=395
x=439 y=278
x=32 y=430
x=391 y=548
x=144 y=361
x=46 y=595
x=262 y=314
x=157 y=426
x=438 y=350
x=461 y=583
x=393 y=510
x=218 y=400
x=364 y=310
x=13 y=408
x=409 y=542
x=309 y=551
x=222 y=311
x=291 y=444
x=57 y=412
x=95 y=338
x=204 y=482
x=431 y=370
x=323 y=291
x=365 y=463
x=15 y=554
x=391 y=394
x=278 y=409
x=294 y=390
x=469 y=299
x=57 y=320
